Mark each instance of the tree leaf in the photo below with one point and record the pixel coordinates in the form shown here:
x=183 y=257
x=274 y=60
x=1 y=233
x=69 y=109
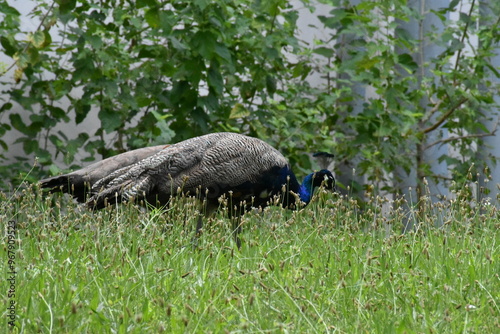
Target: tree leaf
x=152 y=17
x=66 y=6
x=110 y=120
x=146 y=3
x=324 y=51
x=223 y=52
x=453 y=4
x=202 y=4
x=214 y=78
x=270 y=84
x=18 y=74
x=408 y=62
x=204 y=42
x=464 y=17
x=18 y=124
x=37 y=39
x=238 y=111
x=30 y=146
x=8 y=10
x=7 y=43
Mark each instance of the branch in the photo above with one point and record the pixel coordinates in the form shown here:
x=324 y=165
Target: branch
x=475 y=135
x=445 y=116
x=442 y=177
x=432 y=111
x=459 y=53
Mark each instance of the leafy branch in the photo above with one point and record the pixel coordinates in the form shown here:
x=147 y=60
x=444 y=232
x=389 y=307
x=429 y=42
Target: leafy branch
x=30 y=42
x=444 y=117
x=469 y=136
x=462 y=40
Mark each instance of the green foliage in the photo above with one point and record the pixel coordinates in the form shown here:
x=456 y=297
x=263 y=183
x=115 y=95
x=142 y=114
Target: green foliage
x=417 y=102
x=151 y=72
x=327 y=268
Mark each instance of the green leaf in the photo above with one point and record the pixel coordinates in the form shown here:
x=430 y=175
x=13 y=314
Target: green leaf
x=270 y=84
x=146 y=3
x=453 y=4
x=8 y=10
x=239 y=111
x=110 y=120
x=204 y=42
x=247 y=90
x=215 y=81
x=3 y=129
x=152 y=17
x=200 y=118
x=324 y=51
x=47 y=38
x=223 y=52
x=43 y=156
x=58 y=113
x=4 y=146
x=8 y=44
x=30 y=146
x=18 y=124
x=202 y=4
x=84 y=68
x=73 y=145
x=6 y=106
x=37 y=39
x=95 y=41
x=301 y=70
x=161 y=117
x=54 y=170
x=22 y=60
x=211 y=102
x=56 y=141
x=404 y=35
x=66 y=6
x=464 y=17
x=408 y=62
x=177 y=43
x=81 y=110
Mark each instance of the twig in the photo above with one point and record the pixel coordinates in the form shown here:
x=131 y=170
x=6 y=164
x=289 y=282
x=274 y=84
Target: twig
x=462 y=40
x=475 y=135
x=432 y=111
x=445 y=116
x=442 y=177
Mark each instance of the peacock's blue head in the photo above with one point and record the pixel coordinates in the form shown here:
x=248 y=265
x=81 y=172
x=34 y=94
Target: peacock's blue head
x=314 y=180
x=325 y=178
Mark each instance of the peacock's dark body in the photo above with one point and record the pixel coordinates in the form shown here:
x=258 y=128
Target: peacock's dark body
x=246 y=170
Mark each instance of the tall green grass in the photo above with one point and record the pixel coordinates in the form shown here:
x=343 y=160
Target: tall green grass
x=328 y=268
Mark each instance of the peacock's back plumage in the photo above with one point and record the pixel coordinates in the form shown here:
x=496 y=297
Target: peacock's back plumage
x=247 y=169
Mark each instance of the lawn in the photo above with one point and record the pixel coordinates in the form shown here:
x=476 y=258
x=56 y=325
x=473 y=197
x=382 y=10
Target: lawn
x=329 y=268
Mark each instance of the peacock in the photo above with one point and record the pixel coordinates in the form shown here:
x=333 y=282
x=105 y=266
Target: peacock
x=247 y=170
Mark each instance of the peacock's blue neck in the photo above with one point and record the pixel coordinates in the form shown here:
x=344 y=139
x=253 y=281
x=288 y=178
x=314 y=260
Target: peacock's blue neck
x=306 y=189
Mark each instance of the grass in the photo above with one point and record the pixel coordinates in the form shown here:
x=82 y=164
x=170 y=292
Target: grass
x=329 y=268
